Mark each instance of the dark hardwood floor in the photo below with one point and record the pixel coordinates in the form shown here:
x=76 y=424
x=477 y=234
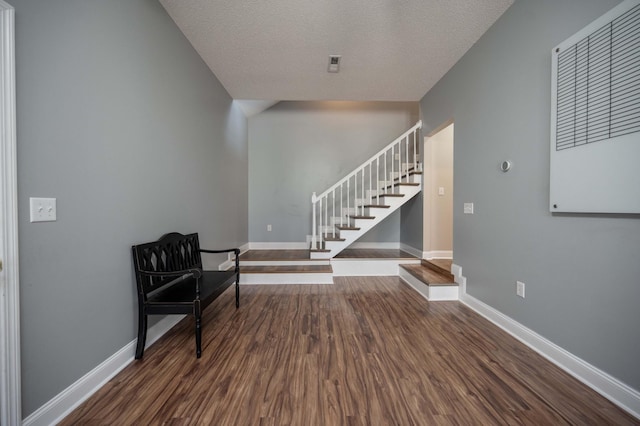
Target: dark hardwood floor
x=367 y=350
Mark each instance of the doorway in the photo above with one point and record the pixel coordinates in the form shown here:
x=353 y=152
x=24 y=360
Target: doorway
x=10 y=410
x=438 y=194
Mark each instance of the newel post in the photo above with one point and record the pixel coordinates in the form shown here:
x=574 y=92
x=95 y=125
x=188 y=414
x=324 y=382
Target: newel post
x=314 y=199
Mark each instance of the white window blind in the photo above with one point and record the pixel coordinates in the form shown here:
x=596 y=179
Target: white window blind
x=598 y=86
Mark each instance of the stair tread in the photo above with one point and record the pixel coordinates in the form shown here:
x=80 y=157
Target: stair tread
x=442 y=266
x=362 y=217
x=289 y=255
x=376 y=206
x=347 y=228
x=334 y=239
x=392 y=195
x=287 y=269
x=429 y=276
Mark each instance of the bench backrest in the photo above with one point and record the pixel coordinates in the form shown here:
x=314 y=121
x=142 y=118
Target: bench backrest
x=172 y=252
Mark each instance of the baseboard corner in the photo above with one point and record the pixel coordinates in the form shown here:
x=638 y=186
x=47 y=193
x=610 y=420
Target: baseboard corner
x=69 y=399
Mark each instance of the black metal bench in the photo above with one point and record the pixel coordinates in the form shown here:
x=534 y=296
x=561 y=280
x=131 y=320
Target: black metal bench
x=170 y=280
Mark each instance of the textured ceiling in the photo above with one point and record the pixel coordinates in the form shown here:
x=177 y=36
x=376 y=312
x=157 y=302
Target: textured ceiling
x=392 y=50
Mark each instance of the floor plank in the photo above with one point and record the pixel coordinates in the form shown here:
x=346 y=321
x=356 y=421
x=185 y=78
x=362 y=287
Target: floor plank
x=367 y=350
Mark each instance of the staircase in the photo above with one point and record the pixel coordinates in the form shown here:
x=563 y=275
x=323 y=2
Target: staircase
x=365 y=197
x=341 y=215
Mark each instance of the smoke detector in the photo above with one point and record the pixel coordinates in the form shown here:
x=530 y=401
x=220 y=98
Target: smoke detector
x=334 y=63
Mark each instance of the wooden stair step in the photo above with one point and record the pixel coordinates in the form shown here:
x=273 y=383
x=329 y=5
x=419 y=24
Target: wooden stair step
x=362 y=217
x=376 y=206
x=429 y=276
x=279 y=255
x=347 y=228
x=442 y=266
x=392 y=195
x=334 y=239
x=286 y=269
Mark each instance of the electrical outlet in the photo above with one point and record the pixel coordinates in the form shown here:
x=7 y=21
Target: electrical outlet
x=269 y=228
x=520 y=289
x=468 y=208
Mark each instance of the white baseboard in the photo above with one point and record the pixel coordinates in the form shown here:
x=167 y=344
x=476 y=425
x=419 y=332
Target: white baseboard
x=66 y=401
x=374 y=246
x=437 y=254
x=278 y=246
x=411 y=250
x=611 y=388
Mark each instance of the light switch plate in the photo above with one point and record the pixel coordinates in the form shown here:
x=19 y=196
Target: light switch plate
x=43 y=209
x=441 y=190
x=468 y=208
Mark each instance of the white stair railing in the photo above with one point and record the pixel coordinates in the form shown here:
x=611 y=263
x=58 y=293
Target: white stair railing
x=359 y=188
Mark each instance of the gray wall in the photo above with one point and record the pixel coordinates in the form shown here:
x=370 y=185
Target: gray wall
x=122 y=122
x=296 y=148
x=581 y=272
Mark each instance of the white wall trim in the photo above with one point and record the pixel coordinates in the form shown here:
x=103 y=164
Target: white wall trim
x=66 y=401
x=611 y=388
x=437 y=254
x=374 y=246
x=367 y=267
x=10 y=370
x=277 y=246
x=411 y=250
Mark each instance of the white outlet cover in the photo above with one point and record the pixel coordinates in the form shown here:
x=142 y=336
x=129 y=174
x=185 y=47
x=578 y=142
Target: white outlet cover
x=520 y=289
x=468 y=208
x=42 y=209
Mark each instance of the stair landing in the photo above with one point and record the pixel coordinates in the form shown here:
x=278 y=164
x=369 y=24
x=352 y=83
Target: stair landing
x=296 y=266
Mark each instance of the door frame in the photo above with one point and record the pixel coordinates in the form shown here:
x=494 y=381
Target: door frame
x=10 y=385
x=428 y=176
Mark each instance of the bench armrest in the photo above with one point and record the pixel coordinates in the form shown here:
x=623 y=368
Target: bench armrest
x=235 y=250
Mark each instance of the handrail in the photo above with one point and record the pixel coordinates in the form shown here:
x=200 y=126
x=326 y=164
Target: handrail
x=416 y=126
x=354 y=199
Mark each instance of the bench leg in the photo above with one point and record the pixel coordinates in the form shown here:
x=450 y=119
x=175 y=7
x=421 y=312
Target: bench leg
x=237 y=288
x=197 y=314
x=142 y=333
x=198 y=337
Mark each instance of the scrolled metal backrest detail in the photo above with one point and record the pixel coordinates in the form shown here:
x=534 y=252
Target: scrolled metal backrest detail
x=172 y=252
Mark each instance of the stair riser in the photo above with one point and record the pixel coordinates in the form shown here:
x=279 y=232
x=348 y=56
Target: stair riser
x=431 y=293
x=274 y=279
x=282 y=263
